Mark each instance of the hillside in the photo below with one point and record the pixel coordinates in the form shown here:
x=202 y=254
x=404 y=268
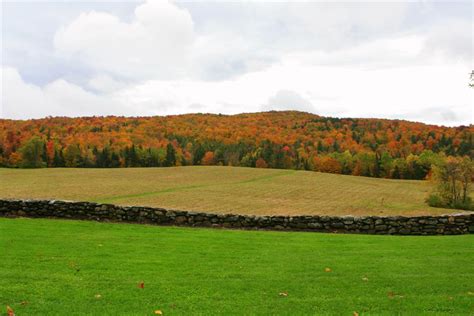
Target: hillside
x=224 y=190
x=284 y=140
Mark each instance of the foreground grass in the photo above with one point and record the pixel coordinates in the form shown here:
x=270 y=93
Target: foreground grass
x=57 y=267
x=224 y=189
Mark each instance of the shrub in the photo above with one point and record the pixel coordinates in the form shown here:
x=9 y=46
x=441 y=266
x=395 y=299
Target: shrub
x=464 y=205
x=434 y=200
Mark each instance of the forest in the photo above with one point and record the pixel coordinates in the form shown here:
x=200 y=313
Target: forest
x=287 y=140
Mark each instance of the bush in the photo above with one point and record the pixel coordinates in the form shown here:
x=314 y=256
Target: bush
x=464 y=205
x=435 y=200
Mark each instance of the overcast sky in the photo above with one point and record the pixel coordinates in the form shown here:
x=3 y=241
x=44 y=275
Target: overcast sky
x=406 y=60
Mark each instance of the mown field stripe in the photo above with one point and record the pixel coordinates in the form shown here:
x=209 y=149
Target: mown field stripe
x=225 y=189
x=191 y=187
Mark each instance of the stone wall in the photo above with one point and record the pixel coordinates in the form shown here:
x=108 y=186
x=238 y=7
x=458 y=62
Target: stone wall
x=394 y=225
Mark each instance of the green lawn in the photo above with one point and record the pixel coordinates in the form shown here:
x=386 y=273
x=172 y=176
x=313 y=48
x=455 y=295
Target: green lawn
x=225 y=190
x=59 y=267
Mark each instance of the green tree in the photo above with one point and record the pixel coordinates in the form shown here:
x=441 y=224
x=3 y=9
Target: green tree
x=32 y=153
x=58 y=160
x=170 y=156
x=386 y=165
x=72 y=156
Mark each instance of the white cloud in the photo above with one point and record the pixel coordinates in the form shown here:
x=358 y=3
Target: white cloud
x=394 y=60
x=288 y=100
x=156 y=44
x=223 y=55
x=59 y=98
x=451 y=40
x=105 y=83
x=387 y=52
x=160 y=41
x=336 y=25
x=440 y=114
x=21 y=100
x=441 y=90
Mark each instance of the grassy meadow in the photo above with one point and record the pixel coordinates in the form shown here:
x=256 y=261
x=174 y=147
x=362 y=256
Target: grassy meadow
x=60 y=267
x=224 y=189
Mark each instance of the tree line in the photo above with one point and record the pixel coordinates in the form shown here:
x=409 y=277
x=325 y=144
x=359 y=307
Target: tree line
x=288 y=140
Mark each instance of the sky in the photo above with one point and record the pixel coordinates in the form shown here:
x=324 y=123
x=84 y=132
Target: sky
x=400 y=60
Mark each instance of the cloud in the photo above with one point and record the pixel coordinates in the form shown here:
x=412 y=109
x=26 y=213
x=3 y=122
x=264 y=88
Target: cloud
x=413 y=93
x=169 y=40
x=160 y=41
x=447 y=114
x=245 y=37
x=338 y=25
x=451 y=39
x=155 y=44
x=21 y=100
x=105 y=83
x=396 y=60
x=387 y=52
x=288 y=100
x=225 y=55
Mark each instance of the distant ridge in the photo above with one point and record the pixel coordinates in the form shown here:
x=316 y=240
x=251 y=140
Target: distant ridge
x=243 y=114
x=287 y=139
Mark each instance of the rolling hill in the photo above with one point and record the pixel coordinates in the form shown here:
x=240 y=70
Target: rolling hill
x=224 y=190
x=284 y=140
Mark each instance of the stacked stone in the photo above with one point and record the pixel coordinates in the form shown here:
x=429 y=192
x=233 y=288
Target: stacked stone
x=392 y=225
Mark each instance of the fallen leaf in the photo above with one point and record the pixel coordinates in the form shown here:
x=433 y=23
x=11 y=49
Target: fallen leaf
x=355 y=314
x=327 y=270
x=285 y=294
x=10 y=311
x=365 y=279
x=392 y=295
x=141 y=285
x=158 y=312
x=97 y=296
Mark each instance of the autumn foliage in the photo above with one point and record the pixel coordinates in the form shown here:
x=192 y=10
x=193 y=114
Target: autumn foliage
x=453 y=178
x=296 y=140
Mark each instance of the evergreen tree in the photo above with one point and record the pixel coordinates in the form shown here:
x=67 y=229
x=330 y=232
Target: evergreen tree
x=170 y=156
x=198 y=154
x=377 y=165
x=396 y=173
x=58 y=160
x=114 y=160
